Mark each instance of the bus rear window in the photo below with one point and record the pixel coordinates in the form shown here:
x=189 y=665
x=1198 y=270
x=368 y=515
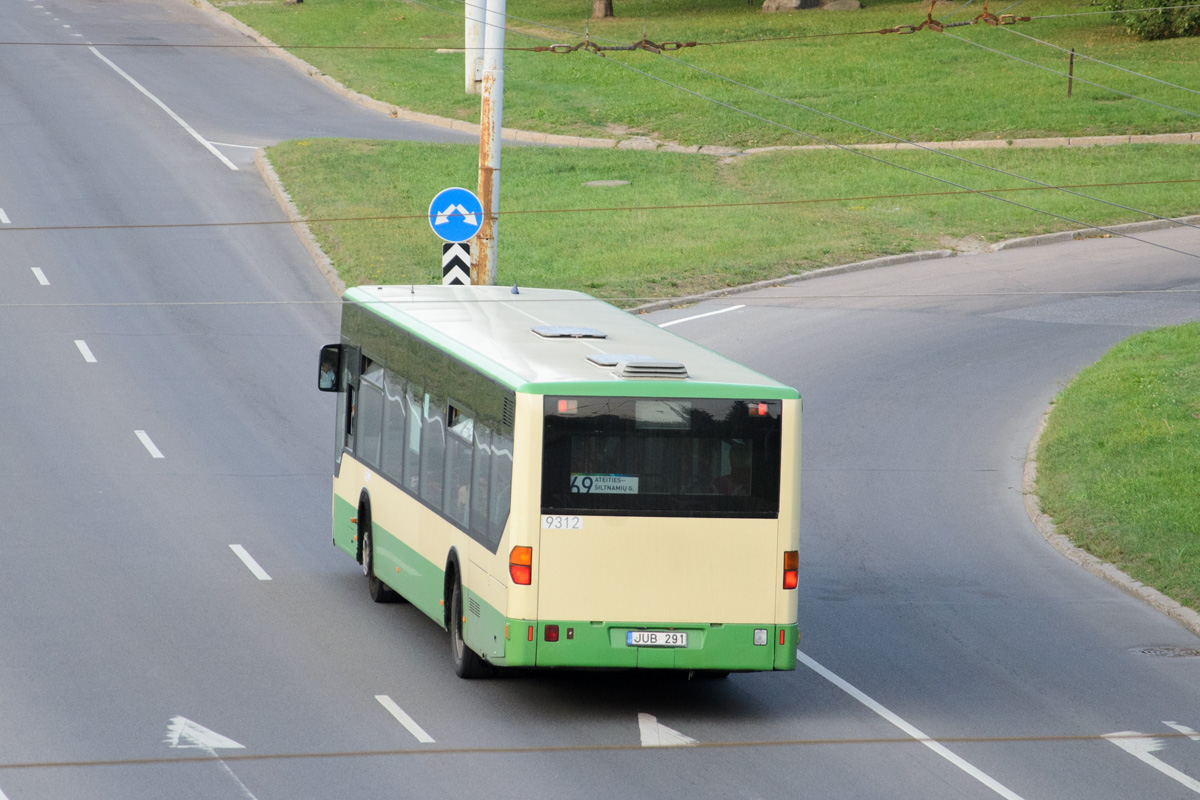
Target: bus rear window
x=685 y=457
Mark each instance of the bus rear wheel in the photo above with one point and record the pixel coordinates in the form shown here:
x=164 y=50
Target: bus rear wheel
x=379 y=591
x=467 y=663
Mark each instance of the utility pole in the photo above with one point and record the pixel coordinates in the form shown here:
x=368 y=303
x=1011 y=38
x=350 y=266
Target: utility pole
x=473 y=43
x=491 y=113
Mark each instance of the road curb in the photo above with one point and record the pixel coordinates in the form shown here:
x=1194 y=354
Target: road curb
x=299 y=226
x=1093 y=233
x=872 y=263
x=1187 y=617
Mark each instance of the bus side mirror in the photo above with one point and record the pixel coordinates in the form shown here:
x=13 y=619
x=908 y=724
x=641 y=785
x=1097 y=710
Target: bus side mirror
x=329 y=377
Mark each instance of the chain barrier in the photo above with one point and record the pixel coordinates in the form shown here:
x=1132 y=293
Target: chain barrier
x=929 y=23
x=592 y=47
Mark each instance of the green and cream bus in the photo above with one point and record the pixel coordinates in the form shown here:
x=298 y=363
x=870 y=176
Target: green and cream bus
x=562 y=484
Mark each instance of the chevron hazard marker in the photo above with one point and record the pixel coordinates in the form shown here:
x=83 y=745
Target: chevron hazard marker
x=456 y=264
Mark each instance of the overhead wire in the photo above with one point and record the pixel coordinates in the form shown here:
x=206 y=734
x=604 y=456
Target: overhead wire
x=585 y=210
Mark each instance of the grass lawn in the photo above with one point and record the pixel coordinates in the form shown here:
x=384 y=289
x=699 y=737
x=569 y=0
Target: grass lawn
x=926 y=86
x=1119 y=463
x=630 y=256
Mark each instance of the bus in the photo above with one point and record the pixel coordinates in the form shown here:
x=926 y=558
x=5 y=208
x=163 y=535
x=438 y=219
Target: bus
x=559 y=483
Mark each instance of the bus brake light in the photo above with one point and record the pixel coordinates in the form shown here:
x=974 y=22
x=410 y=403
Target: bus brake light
x=520 y=565
x=791 y=569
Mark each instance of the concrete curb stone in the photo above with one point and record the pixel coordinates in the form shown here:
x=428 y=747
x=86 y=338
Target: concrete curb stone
x=1090 y=233
x=883 y=261
x=299 y=226
x=1185 y=616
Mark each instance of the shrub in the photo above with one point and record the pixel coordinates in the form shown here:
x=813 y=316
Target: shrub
x=1158 y=24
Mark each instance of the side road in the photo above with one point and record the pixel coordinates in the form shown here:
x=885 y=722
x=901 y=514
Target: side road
x=646 y=143
x=1185 y=616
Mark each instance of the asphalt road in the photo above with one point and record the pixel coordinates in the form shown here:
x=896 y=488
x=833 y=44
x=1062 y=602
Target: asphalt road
x=929 y=604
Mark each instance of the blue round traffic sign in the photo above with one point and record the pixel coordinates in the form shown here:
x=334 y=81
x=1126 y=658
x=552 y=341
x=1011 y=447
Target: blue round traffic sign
x=456 y=214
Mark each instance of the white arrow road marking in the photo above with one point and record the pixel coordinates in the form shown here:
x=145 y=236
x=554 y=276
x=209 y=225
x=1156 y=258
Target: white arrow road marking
x=184 y=734
x=250 y=563
x=458 y=210
x=404 y=719
x=940 y=749
x=655 y=734
x=1184 y=729
x=1141 y=746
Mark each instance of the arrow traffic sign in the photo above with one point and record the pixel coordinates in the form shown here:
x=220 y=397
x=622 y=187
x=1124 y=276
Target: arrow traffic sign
x=455 y=214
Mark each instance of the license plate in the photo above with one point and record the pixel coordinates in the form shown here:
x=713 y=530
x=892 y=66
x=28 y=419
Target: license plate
x=656 y=638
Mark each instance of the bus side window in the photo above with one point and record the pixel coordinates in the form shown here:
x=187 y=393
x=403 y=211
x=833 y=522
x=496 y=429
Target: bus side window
x=456 y=497
x=370 y=413
x=433 y=451
x=394 y=423
x=481 y=473
x=412 y=438
x=350 y=365
x=501 y=486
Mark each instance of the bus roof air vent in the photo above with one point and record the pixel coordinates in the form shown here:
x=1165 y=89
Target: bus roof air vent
x=568 y=332
x=634 y=366
x=655 y=368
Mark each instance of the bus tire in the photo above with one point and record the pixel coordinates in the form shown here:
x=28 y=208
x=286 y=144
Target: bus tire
x=379 y=591
x=467 y=663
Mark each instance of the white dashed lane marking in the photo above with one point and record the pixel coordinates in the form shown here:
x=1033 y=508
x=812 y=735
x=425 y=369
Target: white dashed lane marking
x=149 y=445
x=250 y=563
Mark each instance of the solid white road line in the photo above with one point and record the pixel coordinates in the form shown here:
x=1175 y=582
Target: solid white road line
x=941 y=750
x=4 y=220
x=163 y=106
x=404 y=719
x=249 y=561
x=149 y=445
x=85 y=351
x=243 y=146
x=700 y=316
x=41 y=276
x=1141 y=746
x=1184 y=729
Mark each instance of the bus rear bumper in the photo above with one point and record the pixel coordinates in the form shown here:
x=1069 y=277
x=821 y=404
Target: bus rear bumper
x=720 y=647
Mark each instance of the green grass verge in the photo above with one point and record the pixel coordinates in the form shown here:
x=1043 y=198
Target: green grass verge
x=926 y=86
x=1119 y=461
x=628 y=256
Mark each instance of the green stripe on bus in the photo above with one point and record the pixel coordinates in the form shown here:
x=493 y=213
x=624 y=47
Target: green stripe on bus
x=710 y=647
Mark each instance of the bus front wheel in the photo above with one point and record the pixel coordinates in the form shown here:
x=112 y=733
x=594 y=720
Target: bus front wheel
x=467 y=664
x=378 y=590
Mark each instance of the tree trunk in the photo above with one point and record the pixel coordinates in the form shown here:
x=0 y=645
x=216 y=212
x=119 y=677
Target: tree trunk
x=602 y=8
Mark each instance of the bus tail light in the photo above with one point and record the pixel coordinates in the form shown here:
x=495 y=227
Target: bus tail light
x=791 y=569
x=551 y=633
x=520 y=565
